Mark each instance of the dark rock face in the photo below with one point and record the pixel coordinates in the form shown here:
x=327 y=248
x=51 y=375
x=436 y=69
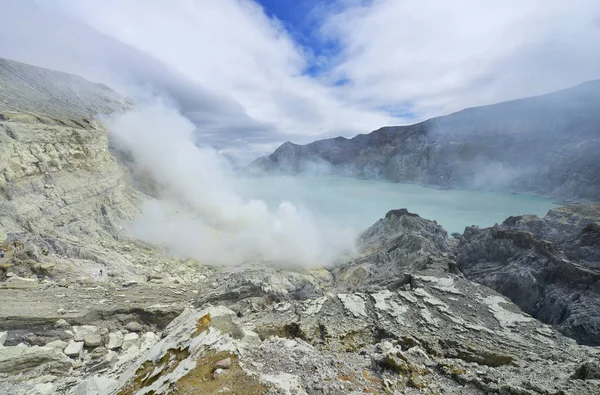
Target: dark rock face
x=546 y=145
x=550 y=267
x=589 y=370
x=396 y=247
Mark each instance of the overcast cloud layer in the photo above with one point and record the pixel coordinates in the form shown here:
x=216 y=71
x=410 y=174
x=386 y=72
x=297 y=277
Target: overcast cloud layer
x=241 y=78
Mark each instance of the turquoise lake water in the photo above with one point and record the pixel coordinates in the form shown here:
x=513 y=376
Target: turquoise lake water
x=358 y=203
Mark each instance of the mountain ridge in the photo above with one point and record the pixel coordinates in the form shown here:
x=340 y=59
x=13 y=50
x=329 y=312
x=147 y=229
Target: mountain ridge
x=30 y=89
x=543 y=145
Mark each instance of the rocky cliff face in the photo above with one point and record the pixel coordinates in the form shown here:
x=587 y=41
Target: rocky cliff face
x=65 y=197
x=61 y=191
x=544 y=145
x=549 y=266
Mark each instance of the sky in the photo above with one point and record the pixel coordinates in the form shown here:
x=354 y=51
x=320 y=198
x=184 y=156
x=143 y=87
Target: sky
x=254 y=74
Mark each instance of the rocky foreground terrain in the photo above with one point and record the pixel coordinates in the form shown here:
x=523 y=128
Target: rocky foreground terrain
x=546 y=145
x=511 y=309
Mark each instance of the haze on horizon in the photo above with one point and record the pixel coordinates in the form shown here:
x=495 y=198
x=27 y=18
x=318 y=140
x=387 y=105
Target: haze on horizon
x=253 y=74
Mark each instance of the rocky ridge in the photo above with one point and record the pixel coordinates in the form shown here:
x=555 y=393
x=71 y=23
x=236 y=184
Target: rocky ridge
x=258 y=329
x=548 y=266
x=545 y=145
x=49 y=93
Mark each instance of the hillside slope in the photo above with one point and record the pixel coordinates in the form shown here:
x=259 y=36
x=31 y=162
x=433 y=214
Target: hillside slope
x=63 y=194
x=29 y=89
x=546 y=145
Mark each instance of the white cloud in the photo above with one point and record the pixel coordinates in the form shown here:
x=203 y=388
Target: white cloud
x=199 y=215
x=233 y=48
x=443 y=56
x=239 y=75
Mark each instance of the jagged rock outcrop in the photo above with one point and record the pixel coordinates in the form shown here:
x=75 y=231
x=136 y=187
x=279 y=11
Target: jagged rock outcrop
x=395 y=319
x=397 y=245
x=65 y=196
x=549 y=266
x=545 y=145
x=436 y=333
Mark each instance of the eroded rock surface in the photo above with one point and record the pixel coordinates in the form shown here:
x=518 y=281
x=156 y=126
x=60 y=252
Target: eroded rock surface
x=430 y=331
x=549 y=266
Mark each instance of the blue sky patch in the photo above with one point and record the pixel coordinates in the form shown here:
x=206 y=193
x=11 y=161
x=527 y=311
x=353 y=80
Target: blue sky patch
x=301 y=20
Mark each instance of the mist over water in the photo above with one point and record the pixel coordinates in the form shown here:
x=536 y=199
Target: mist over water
x=204 y=211
x=356 y=203
x=199 y=214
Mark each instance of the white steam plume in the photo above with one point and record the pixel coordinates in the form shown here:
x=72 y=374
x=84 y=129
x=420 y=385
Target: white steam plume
x=199 y=215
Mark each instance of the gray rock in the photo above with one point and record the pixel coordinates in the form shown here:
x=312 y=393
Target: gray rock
x=43 y=269
x=97 y=353
x=223 y=363
x=58 y=344
x=550 y=266
x=92 y=340
x=111 y=358
x=149 y=339
x=42 y=360
x=589 y=370
x=74 y=349
x=62 y=324
x=115 y=340
x=134 y=326
x=130 y=339
x=2 y=338
x=82 y=331
x=53 y=93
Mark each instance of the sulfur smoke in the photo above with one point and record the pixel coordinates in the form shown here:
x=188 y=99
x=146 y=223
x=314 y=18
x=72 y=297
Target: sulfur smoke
x=198 y=214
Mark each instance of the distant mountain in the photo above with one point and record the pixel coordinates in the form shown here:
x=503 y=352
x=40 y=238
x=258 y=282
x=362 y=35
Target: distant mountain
x=546 y=145
x=35 y=90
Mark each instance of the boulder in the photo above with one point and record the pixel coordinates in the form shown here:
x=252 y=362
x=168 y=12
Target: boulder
x=43 y=269
x=82 y=331
x=111 y=358
x=134 y=326
x=224 y=363
x=129 y=340
x=74 y=349
x=589 y=370
x=61 y=324
x=148 y=340
x=58 y=344
x=115 y=340
x=92 y=340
